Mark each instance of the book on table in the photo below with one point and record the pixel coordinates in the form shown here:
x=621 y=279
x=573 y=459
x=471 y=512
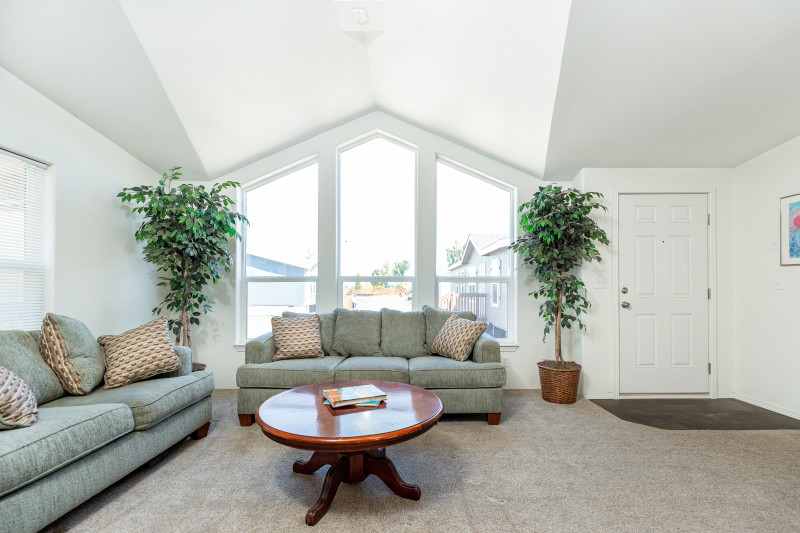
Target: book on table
x=369 y=394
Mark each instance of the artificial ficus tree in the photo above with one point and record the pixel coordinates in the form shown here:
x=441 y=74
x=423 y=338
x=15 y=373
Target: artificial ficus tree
x=557 y=235
x=186 y=231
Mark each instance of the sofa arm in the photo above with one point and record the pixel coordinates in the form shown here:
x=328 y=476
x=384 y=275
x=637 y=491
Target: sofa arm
x=260 y=350
x=486 y=350
x=184 y=354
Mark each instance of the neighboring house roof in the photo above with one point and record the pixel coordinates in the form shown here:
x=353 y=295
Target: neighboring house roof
x=483 y=244
x=273 y=266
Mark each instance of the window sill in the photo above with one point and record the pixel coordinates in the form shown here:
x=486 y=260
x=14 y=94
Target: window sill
x=238 y=347
x=509 y=347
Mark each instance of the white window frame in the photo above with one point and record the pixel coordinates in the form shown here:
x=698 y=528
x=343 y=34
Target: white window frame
x=32 y=177
x=242 y=277
x=341 y=279
x=510 y=280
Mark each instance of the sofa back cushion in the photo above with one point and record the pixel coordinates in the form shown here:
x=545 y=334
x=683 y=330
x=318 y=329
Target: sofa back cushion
x=19 y=352
x=435 y=319
x=72 y=352
x=357 y=333
x=327 y=322
x=403 y=334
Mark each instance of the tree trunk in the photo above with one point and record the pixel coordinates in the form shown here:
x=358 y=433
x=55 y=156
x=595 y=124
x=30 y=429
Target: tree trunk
x=559 y=356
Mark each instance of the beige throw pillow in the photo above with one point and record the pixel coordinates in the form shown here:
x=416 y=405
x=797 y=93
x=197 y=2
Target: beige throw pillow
x=297 y=338
x=456 y=338
x=138 y=354
x=67 y=345
x=17 y=403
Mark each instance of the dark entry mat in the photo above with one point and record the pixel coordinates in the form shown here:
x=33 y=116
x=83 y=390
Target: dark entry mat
x=720 y=414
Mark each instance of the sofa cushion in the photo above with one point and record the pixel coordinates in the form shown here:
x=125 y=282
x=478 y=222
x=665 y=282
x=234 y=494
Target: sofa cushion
x=403 y=334
x=296 y=338
x=435 y=319
x=287 y=374
x=327 y=322
x=19 y=352
x=150 y=401
x=138 y=353
x=373 y=368
x=72 y=352
x=357 y=333
x=62 y=435
x=436 y=372
x=18 y=406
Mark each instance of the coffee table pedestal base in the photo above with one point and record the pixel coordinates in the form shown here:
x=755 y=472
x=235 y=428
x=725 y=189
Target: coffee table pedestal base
x=352 y=468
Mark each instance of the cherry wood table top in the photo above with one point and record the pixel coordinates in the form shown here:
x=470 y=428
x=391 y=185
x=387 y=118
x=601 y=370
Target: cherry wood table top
x=299 y=419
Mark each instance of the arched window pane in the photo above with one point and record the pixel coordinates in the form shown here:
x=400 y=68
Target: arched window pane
x=377 y=209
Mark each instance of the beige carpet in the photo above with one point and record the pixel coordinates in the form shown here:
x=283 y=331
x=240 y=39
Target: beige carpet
x=544 y=468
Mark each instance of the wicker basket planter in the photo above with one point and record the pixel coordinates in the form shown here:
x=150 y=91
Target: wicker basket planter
x=559 y=385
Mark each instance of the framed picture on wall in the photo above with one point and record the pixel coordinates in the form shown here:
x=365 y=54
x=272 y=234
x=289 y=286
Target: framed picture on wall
x=790 y=230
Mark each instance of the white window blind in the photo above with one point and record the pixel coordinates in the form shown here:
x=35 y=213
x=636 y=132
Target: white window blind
x=21 y=243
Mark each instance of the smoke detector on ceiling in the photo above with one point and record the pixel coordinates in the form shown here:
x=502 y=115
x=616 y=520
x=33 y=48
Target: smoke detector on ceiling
x=359 y=16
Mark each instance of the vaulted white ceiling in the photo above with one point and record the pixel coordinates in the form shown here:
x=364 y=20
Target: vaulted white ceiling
x=548 y=86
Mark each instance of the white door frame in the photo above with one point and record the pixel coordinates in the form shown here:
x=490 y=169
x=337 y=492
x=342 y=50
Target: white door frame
x=712 y=283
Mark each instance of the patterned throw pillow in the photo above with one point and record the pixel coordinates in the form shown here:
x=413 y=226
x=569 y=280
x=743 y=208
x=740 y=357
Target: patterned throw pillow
x=17 y=403
x=297 y=338
x=67 y=345
x=456 y=338
x=138 y=354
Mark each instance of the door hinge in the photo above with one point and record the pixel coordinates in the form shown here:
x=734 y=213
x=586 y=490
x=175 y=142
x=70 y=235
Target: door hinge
x=709 y=219
x=709 y=294
x=709 y=369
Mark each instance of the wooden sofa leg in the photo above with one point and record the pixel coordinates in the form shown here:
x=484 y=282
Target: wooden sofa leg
x=493 y=418
x=246 y=420
x=201 y=432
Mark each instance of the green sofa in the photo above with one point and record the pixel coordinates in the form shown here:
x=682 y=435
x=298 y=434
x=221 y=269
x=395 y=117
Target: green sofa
x=386 y=346
x=82 y=444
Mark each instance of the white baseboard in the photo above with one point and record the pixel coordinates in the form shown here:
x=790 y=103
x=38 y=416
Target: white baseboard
x=601 y=396
x=725 y=395
x=768 y=405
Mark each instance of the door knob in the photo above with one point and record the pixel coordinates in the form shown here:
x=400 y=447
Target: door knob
x=625 y=305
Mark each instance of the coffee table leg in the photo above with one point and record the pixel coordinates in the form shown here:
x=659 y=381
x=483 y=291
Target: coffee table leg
x=315 y=462
x=333 y=479
x=376 y=462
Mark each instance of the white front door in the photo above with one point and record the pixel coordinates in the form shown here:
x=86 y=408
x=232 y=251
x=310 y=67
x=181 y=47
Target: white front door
x=664 y=293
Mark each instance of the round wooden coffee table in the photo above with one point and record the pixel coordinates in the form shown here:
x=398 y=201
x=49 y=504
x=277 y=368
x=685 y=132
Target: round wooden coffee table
x=352 y=440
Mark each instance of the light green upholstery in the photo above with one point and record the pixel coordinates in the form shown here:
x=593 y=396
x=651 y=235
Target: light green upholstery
x=150 y=401
x=435 y=319
x=357 y=333
x=471 y=400
x=327 y=322
x=260 y=350
x=486 y=350
x=60 y=436
x=184 y=354
x=386 y=346
x=19 y=352
x=373 y=368
x=289 y=373
x=436 y=372
x=83 y=351
x=249 y=400
x=32 y=507
x=403 y=334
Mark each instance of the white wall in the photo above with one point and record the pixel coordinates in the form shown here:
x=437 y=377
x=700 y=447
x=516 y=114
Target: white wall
x=766 y=320
x=216 y=338
x=98 y=275
x=599 y=378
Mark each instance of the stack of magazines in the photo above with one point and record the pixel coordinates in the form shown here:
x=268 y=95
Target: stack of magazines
x=360 y=395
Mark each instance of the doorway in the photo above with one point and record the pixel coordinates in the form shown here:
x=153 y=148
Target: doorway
x=664 y=293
